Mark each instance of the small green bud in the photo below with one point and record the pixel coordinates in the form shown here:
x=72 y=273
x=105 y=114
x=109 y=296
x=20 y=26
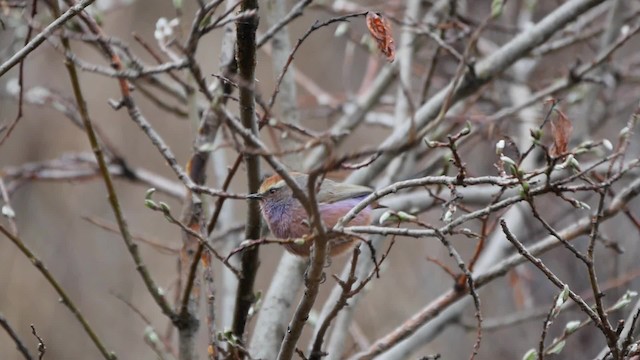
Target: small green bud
x=164 y=207
x=448 y=216
x=570 y=161
x=571 y=326
x=150 y=333
x=531 y=354
x=256 y=306
x=557 y=348
x=624 y=300
x=513 y=170
x=405 y=216
x=466 y=130
x=562 y=297
x=384 y=217
x=149 y=193
x=536 y=134
x=581 y=205
x=99 y=19
x=230 y=338
x=500 y=147
x=624 y=132
x=507 y=160
x=430 y=143
x=573 y=162
x=150 y=204
x=496 y=8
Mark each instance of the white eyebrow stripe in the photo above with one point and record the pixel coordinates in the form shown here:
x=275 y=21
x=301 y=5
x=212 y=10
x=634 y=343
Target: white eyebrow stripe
x=271 y=184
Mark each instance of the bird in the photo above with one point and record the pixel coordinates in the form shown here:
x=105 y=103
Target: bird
x=287 y=219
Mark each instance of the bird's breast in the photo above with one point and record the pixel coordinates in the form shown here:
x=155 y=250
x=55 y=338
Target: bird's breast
x=286 y=220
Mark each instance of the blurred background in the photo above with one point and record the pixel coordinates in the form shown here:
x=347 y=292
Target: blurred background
x=95 y=269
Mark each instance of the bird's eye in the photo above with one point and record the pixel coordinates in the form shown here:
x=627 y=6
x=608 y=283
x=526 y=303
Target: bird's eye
x=273 y=190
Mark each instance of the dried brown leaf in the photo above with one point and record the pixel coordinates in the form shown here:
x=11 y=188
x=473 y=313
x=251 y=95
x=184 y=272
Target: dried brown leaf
x=561 y=129
x=380 y=29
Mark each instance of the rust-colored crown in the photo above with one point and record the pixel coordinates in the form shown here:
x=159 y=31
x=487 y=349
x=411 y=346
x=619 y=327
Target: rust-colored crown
x=269 y=182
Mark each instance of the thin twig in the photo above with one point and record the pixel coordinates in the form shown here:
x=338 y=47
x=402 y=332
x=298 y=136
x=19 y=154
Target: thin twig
x=431 y=310
x=41 y=347
x=43 y=35
x=296 y=11
x=317 y=25
x=16 y=339
x=167 y=213
x=550 y=275
x=34 y=10
x=153 y=289
x=347 y=292
x=65 y=299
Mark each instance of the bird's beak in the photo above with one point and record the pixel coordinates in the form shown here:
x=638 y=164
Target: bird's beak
x=254 y=197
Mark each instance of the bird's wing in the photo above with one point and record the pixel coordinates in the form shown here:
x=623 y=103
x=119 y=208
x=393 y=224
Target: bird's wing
x=331 y=191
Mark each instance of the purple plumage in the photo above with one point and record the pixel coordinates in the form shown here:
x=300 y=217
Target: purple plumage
x=287 y=219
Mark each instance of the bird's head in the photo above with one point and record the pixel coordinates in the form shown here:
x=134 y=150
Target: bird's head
x=275 y=189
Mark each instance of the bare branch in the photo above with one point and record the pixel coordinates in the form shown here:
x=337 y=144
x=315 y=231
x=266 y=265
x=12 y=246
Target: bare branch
x=16 y=339
x=43 y=35
x=65 y=299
